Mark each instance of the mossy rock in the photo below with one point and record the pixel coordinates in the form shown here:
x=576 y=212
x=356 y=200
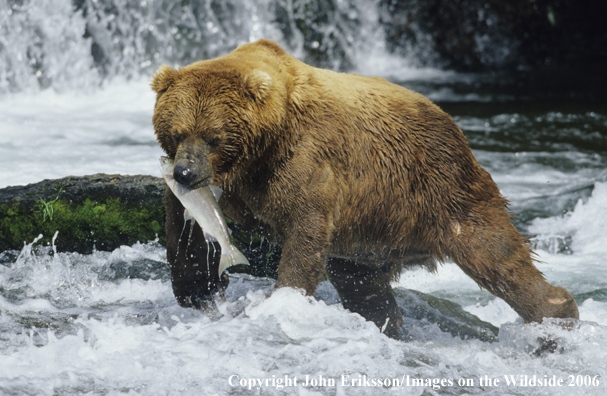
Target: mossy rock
x=99 y=212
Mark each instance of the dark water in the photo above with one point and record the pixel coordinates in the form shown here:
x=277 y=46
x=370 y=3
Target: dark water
x=550 y=120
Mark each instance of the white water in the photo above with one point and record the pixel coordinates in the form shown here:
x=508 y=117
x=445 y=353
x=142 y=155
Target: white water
x=49 y=135
x=102 y=335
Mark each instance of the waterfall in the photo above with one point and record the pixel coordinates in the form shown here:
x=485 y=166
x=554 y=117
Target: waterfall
x=82 y=43
x=74 y=44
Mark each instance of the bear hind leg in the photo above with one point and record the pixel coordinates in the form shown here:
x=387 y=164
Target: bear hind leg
x=499 y=259
x=366 y=291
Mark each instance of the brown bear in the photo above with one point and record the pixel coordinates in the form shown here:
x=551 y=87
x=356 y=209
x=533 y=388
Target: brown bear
x=354 y=176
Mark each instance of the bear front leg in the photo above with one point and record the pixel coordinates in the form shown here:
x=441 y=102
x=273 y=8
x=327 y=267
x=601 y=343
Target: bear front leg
x=499 y=259
x=193 y=267
x=366 y=291
x=301 y=270
x=303 y=257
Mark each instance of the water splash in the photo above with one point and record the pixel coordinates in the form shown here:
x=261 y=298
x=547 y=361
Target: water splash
x=56 y=44
x=42 y=44
x=582 y=230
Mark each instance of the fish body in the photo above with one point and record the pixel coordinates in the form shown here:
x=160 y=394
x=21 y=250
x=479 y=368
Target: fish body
x=201 y=206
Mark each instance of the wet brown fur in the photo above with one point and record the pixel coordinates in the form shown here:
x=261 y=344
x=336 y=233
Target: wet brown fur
x=345 y=166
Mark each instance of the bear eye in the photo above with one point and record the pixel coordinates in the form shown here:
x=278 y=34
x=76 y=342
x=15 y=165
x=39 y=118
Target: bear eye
x=177 y=138
x=214 y=142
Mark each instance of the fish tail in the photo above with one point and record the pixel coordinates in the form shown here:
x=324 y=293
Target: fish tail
x=233 y=257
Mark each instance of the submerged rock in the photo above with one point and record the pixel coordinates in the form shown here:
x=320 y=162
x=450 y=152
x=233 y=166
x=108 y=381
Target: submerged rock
x=424 y=315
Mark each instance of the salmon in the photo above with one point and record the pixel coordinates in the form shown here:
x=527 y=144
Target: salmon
x=201 y=207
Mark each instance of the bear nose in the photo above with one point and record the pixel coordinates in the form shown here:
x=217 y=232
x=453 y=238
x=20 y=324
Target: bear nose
x=183 y=174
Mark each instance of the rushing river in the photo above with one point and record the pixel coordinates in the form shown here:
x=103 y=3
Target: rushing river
x=108 y=324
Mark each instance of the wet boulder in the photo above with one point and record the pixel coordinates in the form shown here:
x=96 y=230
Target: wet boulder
x=98 y=211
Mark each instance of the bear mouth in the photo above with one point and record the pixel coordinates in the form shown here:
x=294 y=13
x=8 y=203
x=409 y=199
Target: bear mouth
x=199 y=184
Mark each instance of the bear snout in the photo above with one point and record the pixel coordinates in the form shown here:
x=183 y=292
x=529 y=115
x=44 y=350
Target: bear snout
x=192 y=176
x=184 y=174
x=192 y=164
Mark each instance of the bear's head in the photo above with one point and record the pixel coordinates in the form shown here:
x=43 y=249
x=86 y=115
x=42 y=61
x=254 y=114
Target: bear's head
x=214 y=117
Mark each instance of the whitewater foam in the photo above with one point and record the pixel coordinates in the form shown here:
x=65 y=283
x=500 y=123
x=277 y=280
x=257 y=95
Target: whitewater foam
x=586 y=225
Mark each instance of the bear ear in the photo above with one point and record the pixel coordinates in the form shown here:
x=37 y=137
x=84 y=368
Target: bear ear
x=163 y=78
x=257 y=85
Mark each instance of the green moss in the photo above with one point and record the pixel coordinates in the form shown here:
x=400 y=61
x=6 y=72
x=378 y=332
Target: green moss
x=103 y=225
x=47 y=208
